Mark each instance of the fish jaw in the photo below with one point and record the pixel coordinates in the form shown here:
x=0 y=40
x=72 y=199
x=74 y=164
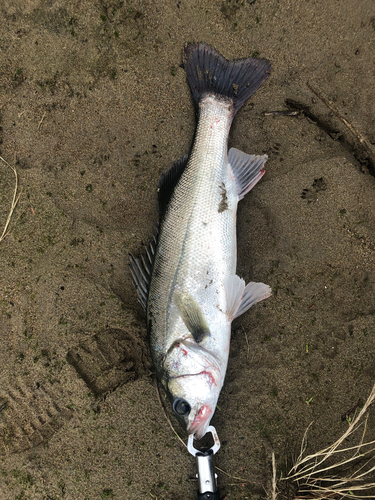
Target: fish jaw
x=195 y=376
x=201 y=391
x=201 y=420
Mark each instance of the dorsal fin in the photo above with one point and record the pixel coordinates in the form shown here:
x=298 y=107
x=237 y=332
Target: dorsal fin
x=141 y=268
x=168 y=181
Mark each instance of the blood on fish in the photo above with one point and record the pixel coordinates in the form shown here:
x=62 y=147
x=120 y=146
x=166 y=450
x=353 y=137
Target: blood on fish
x=204 y=372
x=212 y=378
x=202 y=416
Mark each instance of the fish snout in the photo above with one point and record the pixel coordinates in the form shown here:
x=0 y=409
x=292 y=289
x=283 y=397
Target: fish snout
x=200 y=422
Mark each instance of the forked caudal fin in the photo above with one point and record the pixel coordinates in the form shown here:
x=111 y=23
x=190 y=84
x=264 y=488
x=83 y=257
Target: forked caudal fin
x=208 y=72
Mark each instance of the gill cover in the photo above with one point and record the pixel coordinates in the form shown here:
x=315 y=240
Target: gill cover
x=193 y=382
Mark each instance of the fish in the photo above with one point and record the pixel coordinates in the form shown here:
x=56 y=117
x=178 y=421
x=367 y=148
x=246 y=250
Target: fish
x=186 y=280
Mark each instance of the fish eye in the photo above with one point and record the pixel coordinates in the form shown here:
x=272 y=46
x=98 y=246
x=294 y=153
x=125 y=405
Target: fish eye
x=181 y=407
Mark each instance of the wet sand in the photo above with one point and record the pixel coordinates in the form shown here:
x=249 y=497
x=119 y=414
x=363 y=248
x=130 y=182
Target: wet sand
x=94 y=106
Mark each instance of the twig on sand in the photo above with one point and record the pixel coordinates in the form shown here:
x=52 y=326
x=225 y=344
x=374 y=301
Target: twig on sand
x=166 y=416
x=319 y=475
x=283 y=113
x=247 y=342
x=363 y=141
x=14 y=201
x=41 y=121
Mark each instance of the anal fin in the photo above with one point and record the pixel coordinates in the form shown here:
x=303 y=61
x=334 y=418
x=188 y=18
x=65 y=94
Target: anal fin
x=247 y=170
x=240 y=297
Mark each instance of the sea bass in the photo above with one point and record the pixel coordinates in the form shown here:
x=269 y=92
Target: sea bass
x=187 y=281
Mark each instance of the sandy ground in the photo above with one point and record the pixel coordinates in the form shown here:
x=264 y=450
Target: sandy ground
x=94 y=106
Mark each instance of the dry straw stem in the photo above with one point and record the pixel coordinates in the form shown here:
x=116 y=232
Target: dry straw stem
x=14 y=201
x=318 y=475
x=166 y=416
x=274 y=490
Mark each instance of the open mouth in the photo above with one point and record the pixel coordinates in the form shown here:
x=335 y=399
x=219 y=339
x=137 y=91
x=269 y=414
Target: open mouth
x=200 y=422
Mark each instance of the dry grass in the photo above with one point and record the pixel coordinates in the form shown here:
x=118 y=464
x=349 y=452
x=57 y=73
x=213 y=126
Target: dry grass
x=338 y=471
x=274 y=482
x=14 y=201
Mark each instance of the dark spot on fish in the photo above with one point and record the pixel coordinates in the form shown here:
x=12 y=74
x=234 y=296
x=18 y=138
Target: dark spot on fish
x=209 y=283
x=223 y=205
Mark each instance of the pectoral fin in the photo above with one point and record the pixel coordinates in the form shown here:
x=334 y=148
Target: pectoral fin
x=192 y=315
x=240 y=297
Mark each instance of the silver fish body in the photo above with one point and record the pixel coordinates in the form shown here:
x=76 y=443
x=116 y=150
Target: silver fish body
x=196 y=251
x=194 y=293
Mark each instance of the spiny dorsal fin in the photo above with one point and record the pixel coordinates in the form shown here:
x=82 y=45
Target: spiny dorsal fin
x=192 y=315
x=141 y=268
x=247 y=170
x=168 y=181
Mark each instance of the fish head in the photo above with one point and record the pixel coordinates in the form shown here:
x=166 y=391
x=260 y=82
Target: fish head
x=193 y=384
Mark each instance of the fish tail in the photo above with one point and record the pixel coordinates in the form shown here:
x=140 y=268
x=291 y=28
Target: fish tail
x=208 y=72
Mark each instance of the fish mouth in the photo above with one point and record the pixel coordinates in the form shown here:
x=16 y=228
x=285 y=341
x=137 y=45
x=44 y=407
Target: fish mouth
x=201 y=421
